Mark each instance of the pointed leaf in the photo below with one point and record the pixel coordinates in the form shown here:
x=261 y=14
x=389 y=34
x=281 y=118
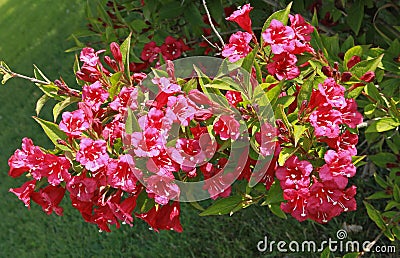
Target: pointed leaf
x=53 y=132
x=223 y=206
x=40 y=103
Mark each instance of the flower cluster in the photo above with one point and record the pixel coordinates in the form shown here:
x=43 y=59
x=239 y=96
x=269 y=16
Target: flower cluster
x=285 y=42
x=133 y=136
x=171 y=49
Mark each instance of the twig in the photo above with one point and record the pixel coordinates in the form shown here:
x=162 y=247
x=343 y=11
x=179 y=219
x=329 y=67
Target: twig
x=209 y=42
x=13 y=74
x=212 y=25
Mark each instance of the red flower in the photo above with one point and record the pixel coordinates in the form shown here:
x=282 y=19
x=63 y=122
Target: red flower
x=54 y=168
x=49 y=198
x=295 y=173
x=279 y=37
x=227 y=127
x=242 y=17
x=301 y=28
x=238 y=46
x=127 y=97
x=121 y=173
x=150 y=52
x=233 y=97
x=24 y=192
x=92 y=154
x=296 y=203
x=326 y=122
x=338 y=168
x=94 y=95
x=82 y=187
x=350 y=115
x=333 y=92
x=172 y=48
x=163 y=217
x=74 y=123
x=18 y=162
x=284 y=66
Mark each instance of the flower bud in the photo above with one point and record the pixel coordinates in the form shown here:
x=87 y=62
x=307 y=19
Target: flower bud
x=346 y=76
x=368 y=76
x=353 y=61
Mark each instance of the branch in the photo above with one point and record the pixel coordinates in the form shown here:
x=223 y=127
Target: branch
x=13 y=74
x=212 y=25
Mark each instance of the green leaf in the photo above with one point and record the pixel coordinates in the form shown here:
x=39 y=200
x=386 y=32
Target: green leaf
x=305 y=90
x=354 y=51
x=6 y=77
x=351 y=255
x=379 y=195
x=392 y=204
x=331 y=44
x=125 y=49
x=285 y=154
x=355 y=16
x=381 y=182
x=60 y=106
x=53 y=132
x=364 y=66
x=276 y=209
x=273 y=94
x=383 y=125
x=381 y=159
x=39 y=75
x=371 y=90
x=375 y=215
x=275 y=194
x=326 y=253
x=131 y=123
x=40 y=103
x=282 y=15
x=298 y=131
x=248 y=61
x=396 y=193
x=223 y=206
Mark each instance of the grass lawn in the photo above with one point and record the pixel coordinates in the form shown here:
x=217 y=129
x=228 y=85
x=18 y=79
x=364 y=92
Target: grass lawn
x=35 y=32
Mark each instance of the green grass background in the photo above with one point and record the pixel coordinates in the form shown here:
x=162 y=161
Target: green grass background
x=35 y=32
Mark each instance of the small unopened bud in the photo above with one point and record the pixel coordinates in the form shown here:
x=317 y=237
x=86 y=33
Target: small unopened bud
x=353 y=61
x=368 y=76
x=62 y=142
x=327 y=71
x=346 y=76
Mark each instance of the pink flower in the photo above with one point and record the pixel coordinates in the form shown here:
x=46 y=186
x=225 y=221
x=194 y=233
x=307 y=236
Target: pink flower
x=266 y=139
x=338 y=168
x=344 y=142
x=88 y=74
x=283 y=66
x=92 y=154
x=82 y=188
x=163 y=188
x=296 y=203
x=24 y=192
x=326 y=122
x=227 y=127
x=150 y=52
x=180 y=109
x=94 y=95
x=242 y=17
x=333 y=92
x=54 y=168
x=121 y=173
x=301 y=28
x=49 y=198
x=18 y=162
x=295 y=173
x=233 y=97
x=164 y=217
x=113 y=130
x=326 y=202
x=279 y=37
x=127 y=97
x=89 y=57
x=74 y=123
x=238 y=46
x=166 y=85
x=350 y=115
